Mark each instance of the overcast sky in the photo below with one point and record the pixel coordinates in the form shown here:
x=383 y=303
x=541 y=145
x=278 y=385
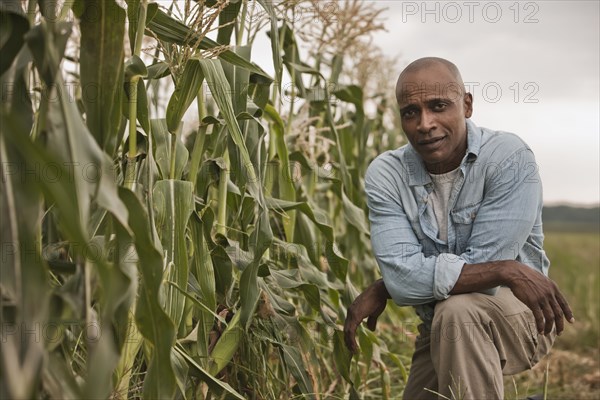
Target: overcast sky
x=532 y=66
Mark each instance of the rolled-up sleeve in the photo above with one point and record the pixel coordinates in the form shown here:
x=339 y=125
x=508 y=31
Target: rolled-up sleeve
x=409 y=276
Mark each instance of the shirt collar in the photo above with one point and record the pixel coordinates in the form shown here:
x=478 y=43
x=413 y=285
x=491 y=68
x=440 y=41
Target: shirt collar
x=417 y=173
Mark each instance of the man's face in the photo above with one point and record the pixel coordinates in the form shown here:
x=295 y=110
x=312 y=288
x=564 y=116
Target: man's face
x=433 y=109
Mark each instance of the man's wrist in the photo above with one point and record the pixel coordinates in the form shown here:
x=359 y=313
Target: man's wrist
x=504 y=271
x=509 y=272
x=381 y=289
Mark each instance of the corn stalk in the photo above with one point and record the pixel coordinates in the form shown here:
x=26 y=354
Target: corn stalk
x=208 y=275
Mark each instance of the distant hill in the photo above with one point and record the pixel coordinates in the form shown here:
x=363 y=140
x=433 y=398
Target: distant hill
x=569 y=218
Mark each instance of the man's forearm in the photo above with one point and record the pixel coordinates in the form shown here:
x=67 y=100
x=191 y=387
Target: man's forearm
x=473 y=278
x=482 y=276
x=476 y=277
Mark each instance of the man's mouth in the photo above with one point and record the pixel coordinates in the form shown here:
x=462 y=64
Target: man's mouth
x=431 y=143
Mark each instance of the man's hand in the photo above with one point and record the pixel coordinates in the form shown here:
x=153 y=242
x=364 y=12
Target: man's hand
x=370 y=303
x=533 y=288
x=541 y=295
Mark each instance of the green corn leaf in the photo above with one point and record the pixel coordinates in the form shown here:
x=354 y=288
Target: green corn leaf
x=341 y=355
x=209 y=378
x=223 y=266
x=133 y=7
x=181 y=368
x=294 y=362
x=291 y=55
x=254 y=134
x=205 y=274
x=25 y=286
x=172 y=31
x=135 y=67
x=226 y=346
x=238 y=78
x=366 y=348
x=338 y=264
x=354 y=137
x=173 y=205
x=162 y=149
x=186 y=90
x=221 y=91
x=260 y=240
x=17 y=100
x=152 y=321
x=58 y=379
x=13 y=28
x=309 y=273
x=227 y=20
x=311 y=292
x=47 y=44
x=68 y=137
x=353 y=214
x=158 y=70
x=102 y=27
x=72 y=204
x=197 y=302
x=280 y=305
x=329 y=119
x=275 y=49
x=102 y=360
x=238 y=256
x=286 y=185
x=293 y=359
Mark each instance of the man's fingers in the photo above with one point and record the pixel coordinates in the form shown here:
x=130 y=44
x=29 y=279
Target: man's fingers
x=548 y=316
x=558 y=317
x=350 y=326
x=562 y=302
x=350 y=336
x=372 y=322
x=539 y=318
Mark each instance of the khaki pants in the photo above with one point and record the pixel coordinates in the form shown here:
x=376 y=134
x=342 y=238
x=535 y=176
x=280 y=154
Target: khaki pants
x=473 y=341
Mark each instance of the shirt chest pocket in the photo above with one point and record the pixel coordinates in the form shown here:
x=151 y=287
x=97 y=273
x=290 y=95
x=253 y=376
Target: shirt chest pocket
x=462 y=219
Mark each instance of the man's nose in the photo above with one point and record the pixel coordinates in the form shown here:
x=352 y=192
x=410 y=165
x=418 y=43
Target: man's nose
x=426 y=122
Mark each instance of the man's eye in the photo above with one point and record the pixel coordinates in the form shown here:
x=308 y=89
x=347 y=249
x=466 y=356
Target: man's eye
x=439 y=106
x=408 y=113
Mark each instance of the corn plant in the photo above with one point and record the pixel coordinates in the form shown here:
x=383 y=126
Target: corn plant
x=140 y=263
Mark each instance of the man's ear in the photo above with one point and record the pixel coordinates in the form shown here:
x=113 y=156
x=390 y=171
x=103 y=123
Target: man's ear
x=468 y=104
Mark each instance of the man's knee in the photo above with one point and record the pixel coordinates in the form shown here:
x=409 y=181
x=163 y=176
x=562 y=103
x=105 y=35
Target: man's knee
x=468 y=306
x=460 y=318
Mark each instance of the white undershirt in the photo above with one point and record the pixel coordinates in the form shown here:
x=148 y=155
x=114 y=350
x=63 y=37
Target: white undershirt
x=439 y=198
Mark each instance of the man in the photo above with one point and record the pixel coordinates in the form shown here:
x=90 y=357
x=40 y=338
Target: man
x=457 y=232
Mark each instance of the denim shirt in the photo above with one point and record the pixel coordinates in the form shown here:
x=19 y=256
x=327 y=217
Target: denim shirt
x=495 y=213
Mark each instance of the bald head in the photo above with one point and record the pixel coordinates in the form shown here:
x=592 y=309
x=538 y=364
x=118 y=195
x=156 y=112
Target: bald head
x=449 y=75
